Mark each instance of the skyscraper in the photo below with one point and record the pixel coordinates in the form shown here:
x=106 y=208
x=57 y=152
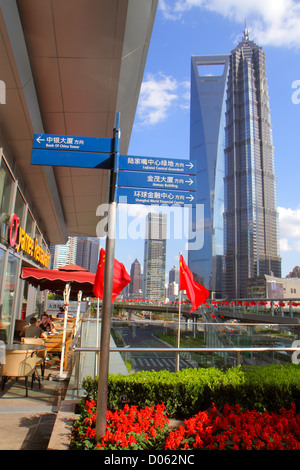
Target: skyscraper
x=155 y=256
x=174 y=275
x=207 y=139
x=135 y=274
x=250 y=214
x=173 y=286
x=87 y=256
x=64 y=254
x=231 y=140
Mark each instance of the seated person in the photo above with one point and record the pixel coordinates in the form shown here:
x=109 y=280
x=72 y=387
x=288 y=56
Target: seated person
x=61 y=313
x=46 y=324
x=33 y=330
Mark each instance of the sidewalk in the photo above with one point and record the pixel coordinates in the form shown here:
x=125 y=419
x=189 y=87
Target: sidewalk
x=26 y=423
x=42 y=421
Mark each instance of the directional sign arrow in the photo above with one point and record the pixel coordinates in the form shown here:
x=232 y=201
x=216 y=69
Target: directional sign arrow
x=39 y=139
x=190 y=165
x=189 y=181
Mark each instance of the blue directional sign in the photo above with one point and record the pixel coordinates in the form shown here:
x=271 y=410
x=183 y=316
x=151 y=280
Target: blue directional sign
x=72 y=143
x=71 y=151
x=157 y=180
x=162 y=165
x=155 y=197
x=71 y=159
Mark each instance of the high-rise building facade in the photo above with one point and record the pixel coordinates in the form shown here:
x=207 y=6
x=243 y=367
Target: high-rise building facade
x=250 y=212
x=155 y=256
x=207 y=139
x=174 y=275
x=231 y=140
x=136 y=280
x=64 y=254
x=88 y=249
x=83 y=251
x=173 y=286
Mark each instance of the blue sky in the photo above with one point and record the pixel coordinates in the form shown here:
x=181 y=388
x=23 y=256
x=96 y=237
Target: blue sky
x=197 y=27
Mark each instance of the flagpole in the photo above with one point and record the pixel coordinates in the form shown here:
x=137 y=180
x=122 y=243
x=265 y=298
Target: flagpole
x=178 y=335
x=178 y=332
x=97 y=339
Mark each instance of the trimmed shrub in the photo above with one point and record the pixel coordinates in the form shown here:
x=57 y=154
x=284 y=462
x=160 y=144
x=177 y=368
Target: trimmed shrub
x=186 y=392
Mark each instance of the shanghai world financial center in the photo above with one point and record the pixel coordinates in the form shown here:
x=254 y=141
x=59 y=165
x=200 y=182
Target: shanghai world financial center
x=231 y=141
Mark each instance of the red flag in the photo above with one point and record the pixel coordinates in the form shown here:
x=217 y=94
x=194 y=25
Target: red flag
x=120 y=277
x=195 y=292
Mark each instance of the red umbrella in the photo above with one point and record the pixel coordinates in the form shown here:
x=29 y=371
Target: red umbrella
x=55 y=280
x=70 y=278
x=72 y=267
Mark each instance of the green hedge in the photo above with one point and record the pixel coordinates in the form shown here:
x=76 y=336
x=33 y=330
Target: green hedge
x=188 y=391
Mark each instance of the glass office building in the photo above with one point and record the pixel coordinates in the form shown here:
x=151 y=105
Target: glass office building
x=250 y=214
x=231 y=140
x=207 y=139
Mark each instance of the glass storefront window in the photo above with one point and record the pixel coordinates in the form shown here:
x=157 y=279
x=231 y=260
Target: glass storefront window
x=38 y=235
x=8 y=294
x=3 y=334
x=6 y=185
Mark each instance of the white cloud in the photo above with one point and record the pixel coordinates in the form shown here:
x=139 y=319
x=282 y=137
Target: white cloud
x=289 y=226
x=159 y=94
x=273 y=22
x=284 y=245
x=289 y=222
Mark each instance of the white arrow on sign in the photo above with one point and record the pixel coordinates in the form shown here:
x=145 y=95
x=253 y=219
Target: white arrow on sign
x=190 y=181
x=190 y=165
x=39 y=139
x=190 y=197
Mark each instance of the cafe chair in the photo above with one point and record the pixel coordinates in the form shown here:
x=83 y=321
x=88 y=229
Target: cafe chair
x=41 y=355
x=19 y=363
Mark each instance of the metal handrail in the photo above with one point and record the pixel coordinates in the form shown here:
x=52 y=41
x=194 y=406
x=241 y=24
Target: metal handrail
x=171 y=349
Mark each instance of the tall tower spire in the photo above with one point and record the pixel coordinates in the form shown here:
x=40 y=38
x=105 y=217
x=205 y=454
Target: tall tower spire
x=246 y=31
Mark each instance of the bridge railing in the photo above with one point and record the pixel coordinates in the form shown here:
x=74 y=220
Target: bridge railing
x=156 y=344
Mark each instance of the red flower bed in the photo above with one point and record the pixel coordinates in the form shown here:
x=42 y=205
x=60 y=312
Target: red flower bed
x=148 y=428
x=129 y=428
x=238 y=430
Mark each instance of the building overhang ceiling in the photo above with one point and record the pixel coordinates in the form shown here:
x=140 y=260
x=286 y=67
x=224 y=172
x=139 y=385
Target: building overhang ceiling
x=69 y=66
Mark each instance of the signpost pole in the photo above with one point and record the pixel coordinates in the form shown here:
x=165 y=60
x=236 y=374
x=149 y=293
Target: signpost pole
x=107 y=296
x=177 y=367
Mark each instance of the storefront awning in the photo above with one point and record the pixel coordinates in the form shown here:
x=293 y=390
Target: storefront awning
x=55 y=280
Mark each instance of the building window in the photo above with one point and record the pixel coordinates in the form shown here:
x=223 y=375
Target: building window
x=6 y=185
x=19 y=207
x=8 y=293
x=30 y=225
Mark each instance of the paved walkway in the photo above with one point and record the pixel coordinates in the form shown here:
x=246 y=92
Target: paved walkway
x=43 y=420
x=26 y=423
